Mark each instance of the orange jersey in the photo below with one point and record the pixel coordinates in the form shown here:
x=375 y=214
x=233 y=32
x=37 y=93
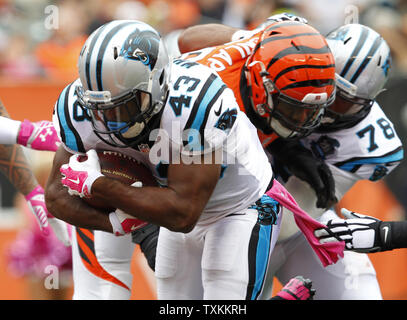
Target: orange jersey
x=228 y=61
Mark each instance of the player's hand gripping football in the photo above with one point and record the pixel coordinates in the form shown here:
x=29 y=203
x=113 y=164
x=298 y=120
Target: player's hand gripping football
x=78 y=176
x=123 y=223
x=38 y=135
x=359 y=232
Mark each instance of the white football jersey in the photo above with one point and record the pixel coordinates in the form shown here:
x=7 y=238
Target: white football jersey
x=200 y=115
x=368 y=151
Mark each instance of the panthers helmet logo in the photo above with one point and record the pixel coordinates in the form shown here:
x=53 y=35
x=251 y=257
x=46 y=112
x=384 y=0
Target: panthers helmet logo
x=142 y=46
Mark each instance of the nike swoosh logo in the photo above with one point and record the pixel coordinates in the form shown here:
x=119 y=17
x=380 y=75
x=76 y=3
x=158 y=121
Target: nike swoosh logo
x=217 y=113
x=386 y=231
x=74 y=181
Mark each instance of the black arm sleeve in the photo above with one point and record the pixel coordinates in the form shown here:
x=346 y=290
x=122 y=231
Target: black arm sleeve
x=393 y=235
x=147 y=238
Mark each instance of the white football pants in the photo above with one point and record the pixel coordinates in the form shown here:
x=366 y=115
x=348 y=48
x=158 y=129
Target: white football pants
x=226 y=259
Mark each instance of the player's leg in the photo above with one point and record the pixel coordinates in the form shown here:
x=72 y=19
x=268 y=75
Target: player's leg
x=352 y=277
x=178 y=265
x=101 y=265
x=236 y=256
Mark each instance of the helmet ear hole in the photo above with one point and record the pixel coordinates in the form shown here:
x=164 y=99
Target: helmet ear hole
x=115 y=53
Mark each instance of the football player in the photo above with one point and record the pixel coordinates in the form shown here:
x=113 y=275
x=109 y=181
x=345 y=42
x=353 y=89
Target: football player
x=356 y=140
x=38 y=136
x=283 y=77
x=214 y=217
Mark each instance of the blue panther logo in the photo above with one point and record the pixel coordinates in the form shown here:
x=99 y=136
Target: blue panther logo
x=226 y=120
x=142 y=46
x=386 y=66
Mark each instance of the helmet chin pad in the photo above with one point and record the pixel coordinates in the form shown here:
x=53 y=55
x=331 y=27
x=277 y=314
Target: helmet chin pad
x=134 y=130
x=127 y=132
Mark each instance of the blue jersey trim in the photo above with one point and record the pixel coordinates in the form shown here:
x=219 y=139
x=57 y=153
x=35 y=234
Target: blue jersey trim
x=70 y=139
x=202 y=112
x=262 y=257
x=394 y=157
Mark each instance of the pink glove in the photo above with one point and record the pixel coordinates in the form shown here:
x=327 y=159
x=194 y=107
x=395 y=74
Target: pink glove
x=297 y=288
x=38 y=135
x=79 y=176
x=36 y=203
x=124 y=223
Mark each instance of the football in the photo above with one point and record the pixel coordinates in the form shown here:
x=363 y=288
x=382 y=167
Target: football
x=121 y=167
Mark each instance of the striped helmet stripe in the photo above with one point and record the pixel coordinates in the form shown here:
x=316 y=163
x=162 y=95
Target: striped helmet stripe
x=361 y=42
x=102 y=50
x=297 y=50
x=304 y=66
x=87 y=64
x=378 y=42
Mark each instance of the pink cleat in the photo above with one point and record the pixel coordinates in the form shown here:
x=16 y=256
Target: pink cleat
x=297 y=288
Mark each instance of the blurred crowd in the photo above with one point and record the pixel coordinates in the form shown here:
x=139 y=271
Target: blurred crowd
x=42 y=38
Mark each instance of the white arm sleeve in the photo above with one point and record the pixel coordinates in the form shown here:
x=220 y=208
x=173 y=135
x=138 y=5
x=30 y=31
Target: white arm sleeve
x=9 y=130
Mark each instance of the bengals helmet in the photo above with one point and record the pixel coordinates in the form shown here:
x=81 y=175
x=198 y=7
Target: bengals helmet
x=291 y=79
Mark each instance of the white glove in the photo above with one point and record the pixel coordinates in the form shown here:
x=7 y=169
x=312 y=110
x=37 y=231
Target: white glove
x=124 y=223
x=78 y=176
x=361 y=233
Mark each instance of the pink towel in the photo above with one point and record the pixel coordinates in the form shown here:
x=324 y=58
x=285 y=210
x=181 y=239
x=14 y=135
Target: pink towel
x=327 y=252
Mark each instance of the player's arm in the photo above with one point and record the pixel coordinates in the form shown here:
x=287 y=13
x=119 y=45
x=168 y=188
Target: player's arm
x=203 y=36
x=70 y=208
x=14 y=164
x=212 y=34
x=176 y=207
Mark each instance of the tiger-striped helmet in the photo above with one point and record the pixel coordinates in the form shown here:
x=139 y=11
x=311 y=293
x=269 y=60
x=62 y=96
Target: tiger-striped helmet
x=291 y=74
